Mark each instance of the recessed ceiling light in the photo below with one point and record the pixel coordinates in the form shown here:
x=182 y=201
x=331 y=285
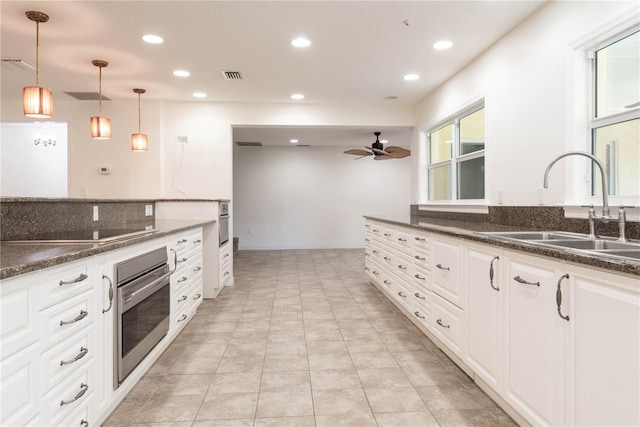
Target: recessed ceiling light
x=153 y=39
x=199 y=95
x=442 y=44
x=301 y=42
x=411 y=77
x=297 y=96
x=293 y=141
x=181 y=73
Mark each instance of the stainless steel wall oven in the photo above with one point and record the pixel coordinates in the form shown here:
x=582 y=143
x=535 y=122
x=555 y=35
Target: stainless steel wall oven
x=142 y=309
x=223 y=221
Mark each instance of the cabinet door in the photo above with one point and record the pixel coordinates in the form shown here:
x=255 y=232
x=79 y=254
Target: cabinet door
x=534 y=333
x=607 y=353
x=484 y=310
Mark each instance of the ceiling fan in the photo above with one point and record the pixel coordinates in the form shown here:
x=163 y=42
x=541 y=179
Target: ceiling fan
x=379 y=152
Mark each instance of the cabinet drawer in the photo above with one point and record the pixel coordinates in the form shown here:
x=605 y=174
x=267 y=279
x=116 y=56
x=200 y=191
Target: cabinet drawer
x=71 y=395
x=81 y=416
x=20 y=387
x=420 y=241
x=64 y=282
x=195 y=267
x=403 y=242
x=66 y=358
x=195 y=240
x=446 y=272
x=404 y=267
x=19 y=314
x=63 y=320
x=447 y=323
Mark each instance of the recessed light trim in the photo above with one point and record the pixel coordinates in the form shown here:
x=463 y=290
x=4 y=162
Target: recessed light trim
x=442 y=44
x=181 y=73
x=411 y=77
x=293 y=141
x=301 y=42
x=297 y=96
x=152 y=39
x=199 y=95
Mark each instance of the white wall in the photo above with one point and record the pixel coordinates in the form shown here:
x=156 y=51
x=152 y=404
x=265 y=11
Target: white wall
x=534 y=111
x=312 y=197
x=29 y=170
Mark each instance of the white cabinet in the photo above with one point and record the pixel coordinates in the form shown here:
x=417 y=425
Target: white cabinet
x=606 y=322
x=225 y=265
x=447 y=270
x=484 y=311
x=534 y=333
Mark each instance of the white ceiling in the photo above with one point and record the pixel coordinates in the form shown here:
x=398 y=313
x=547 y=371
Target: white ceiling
x=359 y=54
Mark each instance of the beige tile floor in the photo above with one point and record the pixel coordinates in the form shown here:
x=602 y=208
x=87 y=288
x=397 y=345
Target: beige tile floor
x=303 y=339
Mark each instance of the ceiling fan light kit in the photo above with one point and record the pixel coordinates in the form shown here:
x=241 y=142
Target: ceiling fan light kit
x=37 y=102
x=378 y=151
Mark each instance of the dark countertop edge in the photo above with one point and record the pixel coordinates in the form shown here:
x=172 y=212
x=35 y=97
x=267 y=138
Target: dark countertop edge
x=88 y=249
x=465 y=230
x=88 y=200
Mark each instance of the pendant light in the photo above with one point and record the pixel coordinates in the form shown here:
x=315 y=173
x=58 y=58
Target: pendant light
x=100 y=125
x=37 y=101
x=139 y=141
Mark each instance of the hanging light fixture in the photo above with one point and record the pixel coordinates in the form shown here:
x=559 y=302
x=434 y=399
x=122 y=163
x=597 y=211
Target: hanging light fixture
x=139 y=141
x=100 y=125
x=37 y=101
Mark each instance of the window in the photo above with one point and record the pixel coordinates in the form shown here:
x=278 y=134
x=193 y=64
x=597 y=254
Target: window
x=455 y=164
x=615 y=116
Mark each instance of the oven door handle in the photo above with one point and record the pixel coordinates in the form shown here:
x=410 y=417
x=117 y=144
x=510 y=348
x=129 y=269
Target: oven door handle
x=128 y=297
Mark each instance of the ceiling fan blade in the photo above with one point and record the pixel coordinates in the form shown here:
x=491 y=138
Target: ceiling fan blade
x=375 y=150
x=397 y=152
x=383 y=157
x=358 y=152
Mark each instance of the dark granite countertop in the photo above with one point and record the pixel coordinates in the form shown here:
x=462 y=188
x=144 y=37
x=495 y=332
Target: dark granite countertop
x=472 y=231
x=16 y=259
x=90 y=200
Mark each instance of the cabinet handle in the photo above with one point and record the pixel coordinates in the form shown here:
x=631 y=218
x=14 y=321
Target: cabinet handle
x=367 y=240
x=402 y=267
x=182 y=279
x=226 y=273
x=559 y=297
x=386 y=258
x=387 y=235
x=439 y=322
x=83 y=353
x=225 y=255
x=184 y=297
x=376 y=231
x=442 y=268
x=419 y=277
x=367 y=254
x=375 y=252
x=197 y=241
x=417 y=314
x=375 y=272
x=367 y=226
x=175 y=260
x=110 y=294
x=417 y=294
x=198 y=268
x=420 y=239
x=420 y=258
x=181 y=241
x=84 y=423
x=182 y=318
x=81 y=316
x=495 y=288
x=184 y=259
x=197 y=296
x=82 y=277
x=366 y=268
x=83 y=390
x=386 y=282
x=400 y=239
x=402 y=294
x=524 y=282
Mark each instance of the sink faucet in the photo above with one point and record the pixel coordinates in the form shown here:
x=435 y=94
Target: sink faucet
x=606 y=215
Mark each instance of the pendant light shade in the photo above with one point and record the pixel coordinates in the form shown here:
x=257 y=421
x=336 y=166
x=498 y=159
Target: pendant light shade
x=37 y=102
x=139 y=141
x=100 y=125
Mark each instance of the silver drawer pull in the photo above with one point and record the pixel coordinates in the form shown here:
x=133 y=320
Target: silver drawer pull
x=559 y=297
x=439 y=322
x=198 y=268
x=367 y=240
x=419 y=277
x=226 y=273
x=375 y=272
x=386 y=258
x=420 y=258
x=78 y=318
x=442 y=268
x=225 y=255
x=387 y=235
x=197 y=296
x=400 y=239
x=367 y=254
x=83 y=390
x=82 y=277
x=182 y=318
x=495 y=288
x=367 y=269
x=402 y=267
x=402 y=294
x=181 y=241
x=367 y=226
x=182 y=279
x=181 y=260
x=183 y=298
x=524 y=282
x=83 y=353
x=376 y=231
x=197 y=241
x=386 y=282
x=420 y=239
x=419 y=296
x=84 y=423
x=417 y=314
x=375 y=252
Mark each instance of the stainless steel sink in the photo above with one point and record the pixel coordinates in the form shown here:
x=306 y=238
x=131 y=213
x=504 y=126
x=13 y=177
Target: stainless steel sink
x=592 y=244
x=625 y=253
x=538 y=235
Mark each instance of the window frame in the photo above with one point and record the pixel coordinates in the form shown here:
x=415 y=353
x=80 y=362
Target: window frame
x=456 y=158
